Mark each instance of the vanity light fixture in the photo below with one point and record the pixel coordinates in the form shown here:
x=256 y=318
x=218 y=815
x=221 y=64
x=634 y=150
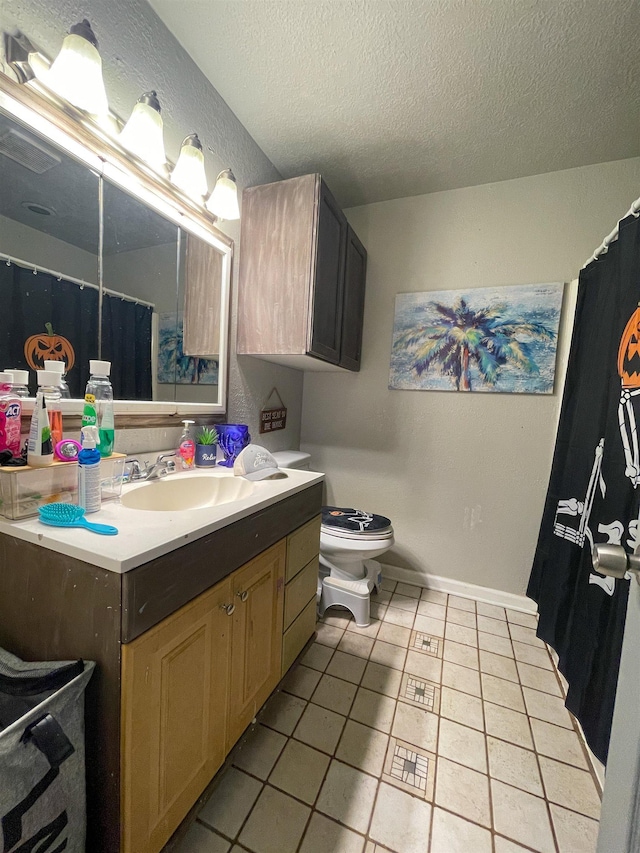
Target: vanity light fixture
x=76 y=72
x=189 y=174
x=142 y=134
x=223 y=201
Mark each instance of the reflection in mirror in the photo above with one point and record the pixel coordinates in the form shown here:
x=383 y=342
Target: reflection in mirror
x=48 y=221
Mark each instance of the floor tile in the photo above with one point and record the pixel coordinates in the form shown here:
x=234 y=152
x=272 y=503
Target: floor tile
x=382 y=679
x=317 y=657
x=461 y=603
x=525 y=635
x=508 y=725
x=496 y=645
x=408 y=589
x=320 y=728
x=231 y=802
x=462 y=708
x=335 y=694
x=425 y=666
x=514 y=766
x=199 y=839
x=533 y=655
x=376 y=611
x=521 y=817
x=301 y=681
x=463 y=791
x=542 y=706
x=502 y=692
x=348 y=795
x=528 y=620
x=355 y=644
x=461 y=634
x=325 y=835
x=493 y=626
x=570 y=787
x=413 y=725
x=327 y=635
x=400 y=822
x=430 y=608
x=388 y=654
x=429 y=625
x=434 y=595
x=503 y=845
x=373 y=709
x=410 y=768
x=490 y=610
x=499 y=666
x=337 y=617
x=403 y=602
x=557 y=742
x=348 y=667
x=420 y=692
x=282 y=712
x=300 y=771
x=276 y=823
x=539 y=679
x=258 y=751
x=426 y=643
x=382 y=596
x=461 y=678
x=388 y=584
x=461 y=617
x=462 y=745
x=397 y=634
x=459 y=653
x=573 y=831
x=363 y=747
x=399 y=617
x=451 y=834
x=372 y=629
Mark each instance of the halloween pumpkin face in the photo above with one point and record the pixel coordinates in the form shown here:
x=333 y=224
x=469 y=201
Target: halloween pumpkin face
x=629 y=352
x=39 y=348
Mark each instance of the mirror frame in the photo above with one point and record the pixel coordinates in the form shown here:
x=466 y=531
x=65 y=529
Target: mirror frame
x=77 y=135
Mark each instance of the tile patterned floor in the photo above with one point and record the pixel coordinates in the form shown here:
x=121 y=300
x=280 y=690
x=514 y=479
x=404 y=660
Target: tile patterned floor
x=440 y=728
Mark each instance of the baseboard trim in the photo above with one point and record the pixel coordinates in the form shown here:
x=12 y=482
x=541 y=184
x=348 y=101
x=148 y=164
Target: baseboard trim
x=464 y=590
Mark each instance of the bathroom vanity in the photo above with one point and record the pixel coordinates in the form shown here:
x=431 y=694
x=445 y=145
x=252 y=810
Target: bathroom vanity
x=192 y=617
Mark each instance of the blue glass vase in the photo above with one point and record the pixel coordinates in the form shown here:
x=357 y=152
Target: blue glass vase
x=232 y=438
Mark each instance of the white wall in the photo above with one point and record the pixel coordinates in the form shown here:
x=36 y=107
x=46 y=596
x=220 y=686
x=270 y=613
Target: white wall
x=462 y=476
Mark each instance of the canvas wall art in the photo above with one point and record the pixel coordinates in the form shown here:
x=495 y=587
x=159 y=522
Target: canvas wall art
x=173 y=364
x=500 y=339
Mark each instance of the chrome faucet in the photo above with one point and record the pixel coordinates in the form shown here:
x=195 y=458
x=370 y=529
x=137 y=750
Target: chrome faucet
x=163 y=465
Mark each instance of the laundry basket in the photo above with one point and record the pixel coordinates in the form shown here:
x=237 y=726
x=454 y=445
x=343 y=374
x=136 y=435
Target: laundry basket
x=42 y=774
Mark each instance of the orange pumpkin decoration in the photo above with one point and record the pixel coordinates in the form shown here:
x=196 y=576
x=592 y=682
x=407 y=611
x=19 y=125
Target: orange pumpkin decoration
x=51 y=347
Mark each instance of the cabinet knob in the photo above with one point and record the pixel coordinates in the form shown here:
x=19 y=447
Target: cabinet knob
x=228 y=608
x=243 y=595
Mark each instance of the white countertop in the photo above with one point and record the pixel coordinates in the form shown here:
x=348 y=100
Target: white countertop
x=144 y=535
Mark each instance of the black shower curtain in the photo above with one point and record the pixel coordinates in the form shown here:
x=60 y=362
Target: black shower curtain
x=593 y=490
x=31 y=301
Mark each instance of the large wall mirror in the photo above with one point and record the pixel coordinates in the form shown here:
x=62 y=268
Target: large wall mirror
x=90 y=268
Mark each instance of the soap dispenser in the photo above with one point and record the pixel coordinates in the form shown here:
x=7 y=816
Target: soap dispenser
x=186 y=448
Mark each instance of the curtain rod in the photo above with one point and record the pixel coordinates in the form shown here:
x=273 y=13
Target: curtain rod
x=634 y=210
x=9 y=259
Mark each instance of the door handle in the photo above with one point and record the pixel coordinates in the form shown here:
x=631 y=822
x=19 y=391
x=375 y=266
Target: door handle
x=228 y=608
x=614 y=561
x=243 y=596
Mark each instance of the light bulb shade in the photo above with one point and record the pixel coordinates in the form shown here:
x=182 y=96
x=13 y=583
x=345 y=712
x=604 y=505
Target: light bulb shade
x=223 y=201
x=143 y=133
x=189 y=173
x=76 y=73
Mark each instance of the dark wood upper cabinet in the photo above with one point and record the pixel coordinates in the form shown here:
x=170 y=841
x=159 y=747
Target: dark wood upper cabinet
x=302 y=277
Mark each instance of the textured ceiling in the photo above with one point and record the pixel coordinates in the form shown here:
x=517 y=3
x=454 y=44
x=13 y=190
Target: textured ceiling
x=392 y=99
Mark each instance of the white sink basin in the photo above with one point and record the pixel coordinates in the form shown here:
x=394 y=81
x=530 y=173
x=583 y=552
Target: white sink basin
x=184 y=493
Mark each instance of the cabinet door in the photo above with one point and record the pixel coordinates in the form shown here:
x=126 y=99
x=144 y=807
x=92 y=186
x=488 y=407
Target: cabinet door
x=256 y=649
x=174 y=702
x=326 y=319
x=355 y=274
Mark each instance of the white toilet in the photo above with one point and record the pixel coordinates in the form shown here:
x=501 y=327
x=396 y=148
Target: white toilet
x=350 y=540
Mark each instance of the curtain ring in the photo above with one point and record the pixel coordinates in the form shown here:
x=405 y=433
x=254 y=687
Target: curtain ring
x=35 y=271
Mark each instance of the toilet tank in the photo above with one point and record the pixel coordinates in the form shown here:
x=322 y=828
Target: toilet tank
x=292 y=459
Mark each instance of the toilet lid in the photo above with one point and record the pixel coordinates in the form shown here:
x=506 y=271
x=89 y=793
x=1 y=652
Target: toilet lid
x=348 y=522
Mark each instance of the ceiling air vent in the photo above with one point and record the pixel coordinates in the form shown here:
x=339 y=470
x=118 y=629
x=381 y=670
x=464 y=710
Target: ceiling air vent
x=24 y=149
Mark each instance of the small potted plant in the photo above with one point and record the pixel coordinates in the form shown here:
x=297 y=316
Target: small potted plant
x=206 y=446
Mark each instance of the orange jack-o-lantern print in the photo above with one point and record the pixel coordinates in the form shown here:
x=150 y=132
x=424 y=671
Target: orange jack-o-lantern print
x=49 y=347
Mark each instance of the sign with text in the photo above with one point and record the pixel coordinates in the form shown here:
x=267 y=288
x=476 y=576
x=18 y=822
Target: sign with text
x=273 y=419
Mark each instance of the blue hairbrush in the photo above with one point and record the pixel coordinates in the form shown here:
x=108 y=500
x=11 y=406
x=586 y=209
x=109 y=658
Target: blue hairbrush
x=71 y=515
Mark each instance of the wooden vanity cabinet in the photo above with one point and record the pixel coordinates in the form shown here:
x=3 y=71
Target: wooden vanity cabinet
x=302 y=276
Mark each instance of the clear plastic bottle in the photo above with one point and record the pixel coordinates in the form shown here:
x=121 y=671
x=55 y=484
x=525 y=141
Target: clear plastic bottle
x=186 y=448
x=20 y=379
x=52 y=395
x=89 y=494
x=98 y=405
x=61 y=368
x=10 y=415
x=40 y=446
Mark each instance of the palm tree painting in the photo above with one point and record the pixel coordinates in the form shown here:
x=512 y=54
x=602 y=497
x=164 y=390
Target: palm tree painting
x=489 y=339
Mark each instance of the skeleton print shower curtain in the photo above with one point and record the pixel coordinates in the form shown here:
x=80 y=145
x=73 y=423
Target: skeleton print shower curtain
x=594 y=487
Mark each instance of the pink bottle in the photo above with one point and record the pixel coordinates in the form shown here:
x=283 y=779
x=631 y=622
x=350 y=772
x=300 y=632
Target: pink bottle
x=10 y=416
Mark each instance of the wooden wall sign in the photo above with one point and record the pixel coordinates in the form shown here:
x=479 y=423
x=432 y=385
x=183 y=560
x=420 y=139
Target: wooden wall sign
x=273 y=417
